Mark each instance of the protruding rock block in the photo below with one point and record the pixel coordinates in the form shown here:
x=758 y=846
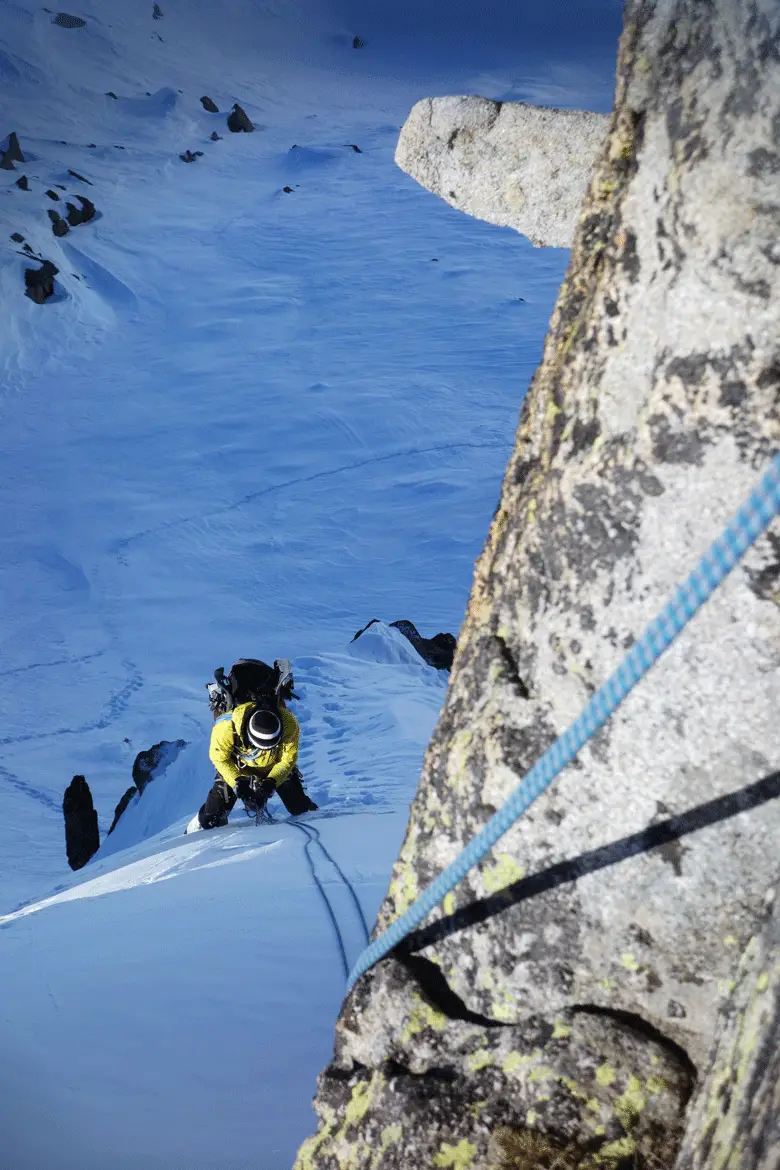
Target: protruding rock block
x=519 y=166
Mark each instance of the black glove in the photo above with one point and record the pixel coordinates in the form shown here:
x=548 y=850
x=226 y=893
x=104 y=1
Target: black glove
x=255 y=788
x=265 y=790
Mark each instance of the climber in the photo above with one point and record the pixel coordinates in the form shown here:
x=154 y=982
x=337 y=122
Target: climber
x=254 y=750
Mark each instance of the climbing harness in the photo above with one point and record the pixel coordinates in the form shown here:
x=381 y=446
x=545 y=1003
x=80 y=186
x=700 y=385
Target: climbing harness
x=752 y=519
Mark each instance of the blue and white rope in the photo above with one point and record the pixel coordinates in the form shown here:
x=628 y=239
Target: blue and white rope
x=752 y=519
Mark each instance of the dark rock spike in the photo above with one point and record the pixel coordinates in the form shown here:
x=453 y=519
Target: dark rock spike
x=13 y=148
x=82 y=835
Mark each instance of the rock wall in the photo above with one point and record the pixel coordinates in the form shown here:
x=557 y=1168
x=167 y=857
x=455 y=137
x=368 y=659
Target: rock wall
x=735 y=1119
x=515 y=165
x=568 y=992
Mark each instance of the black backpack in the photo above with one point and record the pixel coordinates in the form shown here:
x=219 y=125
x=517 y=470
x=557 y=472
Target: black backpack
x=250 y=680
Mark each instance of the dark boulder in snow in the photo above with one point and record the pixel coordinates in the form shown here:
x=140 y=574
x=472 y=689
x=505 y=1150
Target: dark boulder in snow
x=238 y=121
x=53 y=195
x=209 y=105
x=82 y=835
x=59 y=226
x=6 y=162
x=438 y=651
x=358 y=43
x=157 y=12
x=120 y=808
x=65 y=20
x=189 y=157
x=40 y=282
x=215 y=137
x=81 y=179
x=22 y=183
x=83 y=214
x=17 y=237
x=157 y=758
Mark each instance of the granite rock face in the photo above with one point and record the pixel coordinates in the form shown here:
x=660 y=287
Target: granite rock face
x=735 y=1118
x=515 y=165
x=597 y=943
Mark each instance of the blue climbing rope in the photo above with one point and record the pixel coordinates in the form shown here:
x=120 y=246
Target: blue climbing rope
x=325 y=899
x=753 y=518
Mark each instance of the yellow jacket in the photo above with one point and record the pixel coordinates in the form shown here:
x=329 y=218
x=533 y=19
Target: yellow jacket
x=231 y=753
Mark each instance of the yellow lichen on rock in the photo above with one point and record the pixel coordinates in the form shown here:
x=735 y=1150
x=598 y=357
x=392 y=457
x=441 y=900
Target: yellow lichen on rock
x=423 y=1016
x=403 y=888
x=305 y=1159
x=502 y=873
x=458 y=1157
x=630 y=1104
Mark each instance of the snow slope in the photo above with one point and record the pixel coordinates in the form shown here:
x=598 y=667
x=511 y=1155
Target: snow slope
x=249 y=422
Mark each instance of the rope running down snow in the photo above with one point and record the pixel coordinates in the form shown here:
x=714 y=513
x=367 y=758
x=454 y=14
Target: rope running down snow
x=752 y=519
x=313 y=838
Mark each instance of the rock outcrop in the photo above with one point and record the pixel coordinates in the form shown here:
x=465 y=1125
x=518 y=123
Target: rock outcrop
x=438 y=651
x=122 y=806
x=735 y=1118
x=82 y=835
x=569 y=989
x=155 y=758
x=82 y=214
x=208 y=105
x=39 y=282
x=515 y=165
